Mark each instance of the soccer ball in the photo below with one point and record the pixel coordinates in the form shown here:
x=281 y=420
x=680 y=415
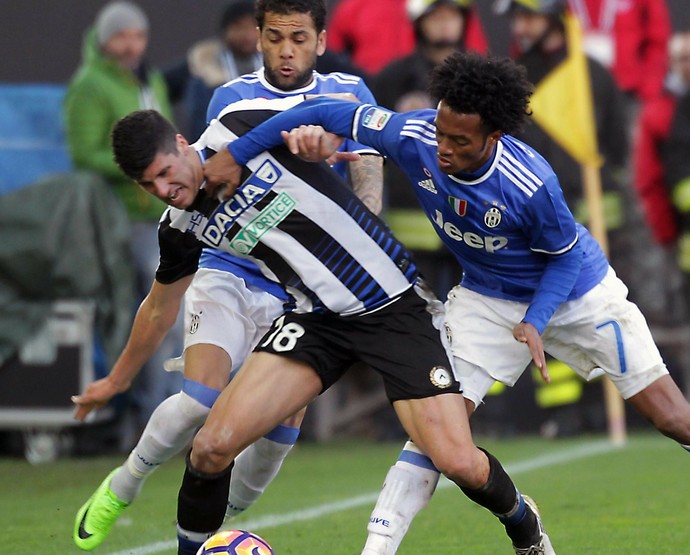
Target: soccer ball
x=235 y=542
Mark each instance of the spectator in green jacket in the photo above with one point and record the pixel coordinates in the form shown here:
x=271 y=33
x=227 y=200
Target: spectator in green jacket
x=112 y=81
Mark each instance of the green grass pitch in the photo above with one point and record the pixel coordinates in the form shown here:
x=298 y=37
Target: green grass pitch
x=594 y=498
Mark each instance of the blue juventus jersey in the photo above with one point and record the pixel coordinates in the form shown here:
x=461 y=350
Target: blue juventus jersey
x=255 y=85
x=506 y=224
x=298 y=222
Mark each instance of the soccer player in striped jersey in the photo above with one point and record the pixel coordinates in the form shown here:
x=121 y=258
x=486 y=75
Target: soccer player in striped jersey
x=355 y=296
x=292 y=37
x=534 y=280
x=227 y=292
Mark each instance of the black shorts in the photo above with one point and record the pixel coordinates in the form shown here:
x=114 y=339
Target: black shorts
x=399 y=341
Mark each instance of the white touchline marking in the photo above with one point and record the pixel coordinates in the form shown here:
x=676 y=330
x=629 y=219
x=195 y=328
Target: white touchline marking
x=270 y=521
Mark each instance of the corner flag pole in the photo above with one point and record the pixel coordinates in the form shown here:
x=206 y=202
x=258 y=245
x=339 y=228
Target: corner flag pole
x=615 y=407
x=562 y=105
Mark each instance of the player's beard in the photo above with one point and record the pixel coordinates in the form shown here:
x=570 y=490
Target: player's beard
x=297 y=81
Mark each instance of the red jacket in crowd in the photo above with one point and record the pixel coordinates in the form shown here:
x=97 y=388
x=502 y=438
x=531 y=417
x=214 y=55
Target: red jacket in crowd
x=654 y=127
x=375 y=32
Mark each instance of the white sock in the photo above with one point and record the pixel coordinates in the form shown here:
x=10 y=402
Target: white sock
x=409 y=485
x=256 y=466
x=686 y=447
x=170 y=428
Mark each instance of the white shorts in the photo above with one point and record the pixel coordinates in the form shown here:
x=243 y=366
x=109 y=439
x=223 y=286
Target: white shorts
x=222 y=310
x=601 y=331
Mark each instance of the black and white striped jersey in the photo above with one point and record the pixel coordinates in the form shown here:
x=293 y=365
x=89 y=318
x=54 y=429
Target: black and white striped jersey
x=298 y=221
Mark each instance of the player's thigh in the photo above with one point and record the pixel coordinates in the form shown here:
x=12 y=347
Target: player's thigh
x=663 y=404
x=480 y=331
x=603 y=330
x=267 y=390
x=222 y=310
x=207 y=364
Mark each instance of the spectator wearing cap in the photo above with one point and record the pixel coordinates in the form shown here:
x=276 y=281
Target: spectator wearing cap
x=440 y=28
x=112 y=81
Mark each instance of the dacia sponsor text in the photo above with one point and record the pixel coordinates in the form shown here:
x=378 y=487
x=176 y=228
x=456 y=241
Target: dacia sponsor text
x=253 y=189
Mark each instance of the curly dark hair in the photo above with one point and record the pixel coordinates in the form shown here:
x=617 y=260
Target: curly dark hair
x=138 y=137
x=316 y=8
x=495 y=88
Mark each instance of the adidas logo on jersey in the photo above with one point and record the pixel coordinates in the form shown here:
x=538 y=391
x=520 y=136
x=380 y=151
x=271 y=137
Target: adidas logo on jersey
x=428 y=184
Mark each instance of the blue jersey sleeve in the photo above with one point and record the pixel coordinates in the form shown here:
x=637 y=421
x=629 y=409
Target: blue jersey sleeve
x=557 y=281
x=334 y=115
x=553 y=232
x=365 y=96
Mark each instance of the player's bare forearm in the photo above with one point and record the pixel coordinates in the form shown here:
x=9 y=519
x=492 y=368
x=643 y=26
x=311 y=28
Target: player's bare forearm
x=525 y=332
x=366 y=175
x=156 y=315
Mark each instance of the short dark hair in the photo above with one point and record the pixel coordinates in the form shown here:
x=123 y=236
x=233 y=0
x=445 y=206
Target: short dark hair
x=495 y=88
x=316 y=8
x=138 y=137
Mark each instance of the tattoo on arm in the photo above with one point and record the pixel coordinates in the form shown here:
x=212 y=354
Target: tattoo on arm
x=366 y=176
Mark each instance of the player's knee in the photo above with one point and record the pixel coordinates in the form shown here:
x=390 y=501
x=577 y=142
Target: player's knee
x=461 y=466
x=674 y=424
x=211 y=450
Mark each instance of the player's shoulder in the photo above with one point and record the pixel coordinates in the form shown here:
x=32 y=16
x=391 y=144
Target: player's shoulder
x=260 y=104
x=418 y=126
x=338 y=79
x=522 y=165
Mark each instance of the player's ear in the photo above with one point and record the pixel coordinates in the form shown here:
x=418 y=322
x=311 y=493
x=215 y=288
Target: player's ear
x=321 y=43
x=258 y=42
x=494 y=137
x=182 y=143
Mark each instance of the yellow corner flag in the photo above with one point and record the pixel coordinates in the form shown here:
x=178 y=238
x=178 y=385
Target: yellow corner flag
x=562 y=101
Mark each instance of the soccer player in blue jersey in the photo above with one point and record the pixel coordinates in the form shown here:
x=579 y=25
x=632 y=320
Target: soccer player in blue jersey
x=226 y=293
x=534 y=280
x=354 y=295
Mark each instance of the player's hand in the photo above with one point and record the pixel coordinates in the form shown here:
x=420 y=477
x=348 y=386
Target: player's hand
x=222 y=174
x=313 y=144
x=525 y=332
x=97 y=394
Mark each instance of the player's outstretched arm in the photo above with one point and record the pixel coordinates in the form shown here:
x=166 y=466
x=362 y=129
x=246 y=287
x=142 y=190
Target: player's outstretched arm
x=155 y=317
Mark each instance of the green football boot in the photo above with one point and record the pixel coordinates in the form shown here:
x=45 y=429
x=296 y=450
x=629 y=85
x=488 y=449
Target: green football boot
x=97 y=516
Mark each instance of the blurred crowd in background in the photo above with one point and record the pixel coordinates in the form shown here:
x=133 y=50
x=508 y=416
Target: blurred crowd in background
x=638 y=60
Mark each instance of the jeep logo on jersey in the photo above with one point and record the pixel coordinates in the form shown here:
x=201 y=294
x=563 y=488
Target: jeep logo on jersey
x=489 y=243
x=267 y=219
x=492 y=217
x=375 y=118
x=253 y=189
